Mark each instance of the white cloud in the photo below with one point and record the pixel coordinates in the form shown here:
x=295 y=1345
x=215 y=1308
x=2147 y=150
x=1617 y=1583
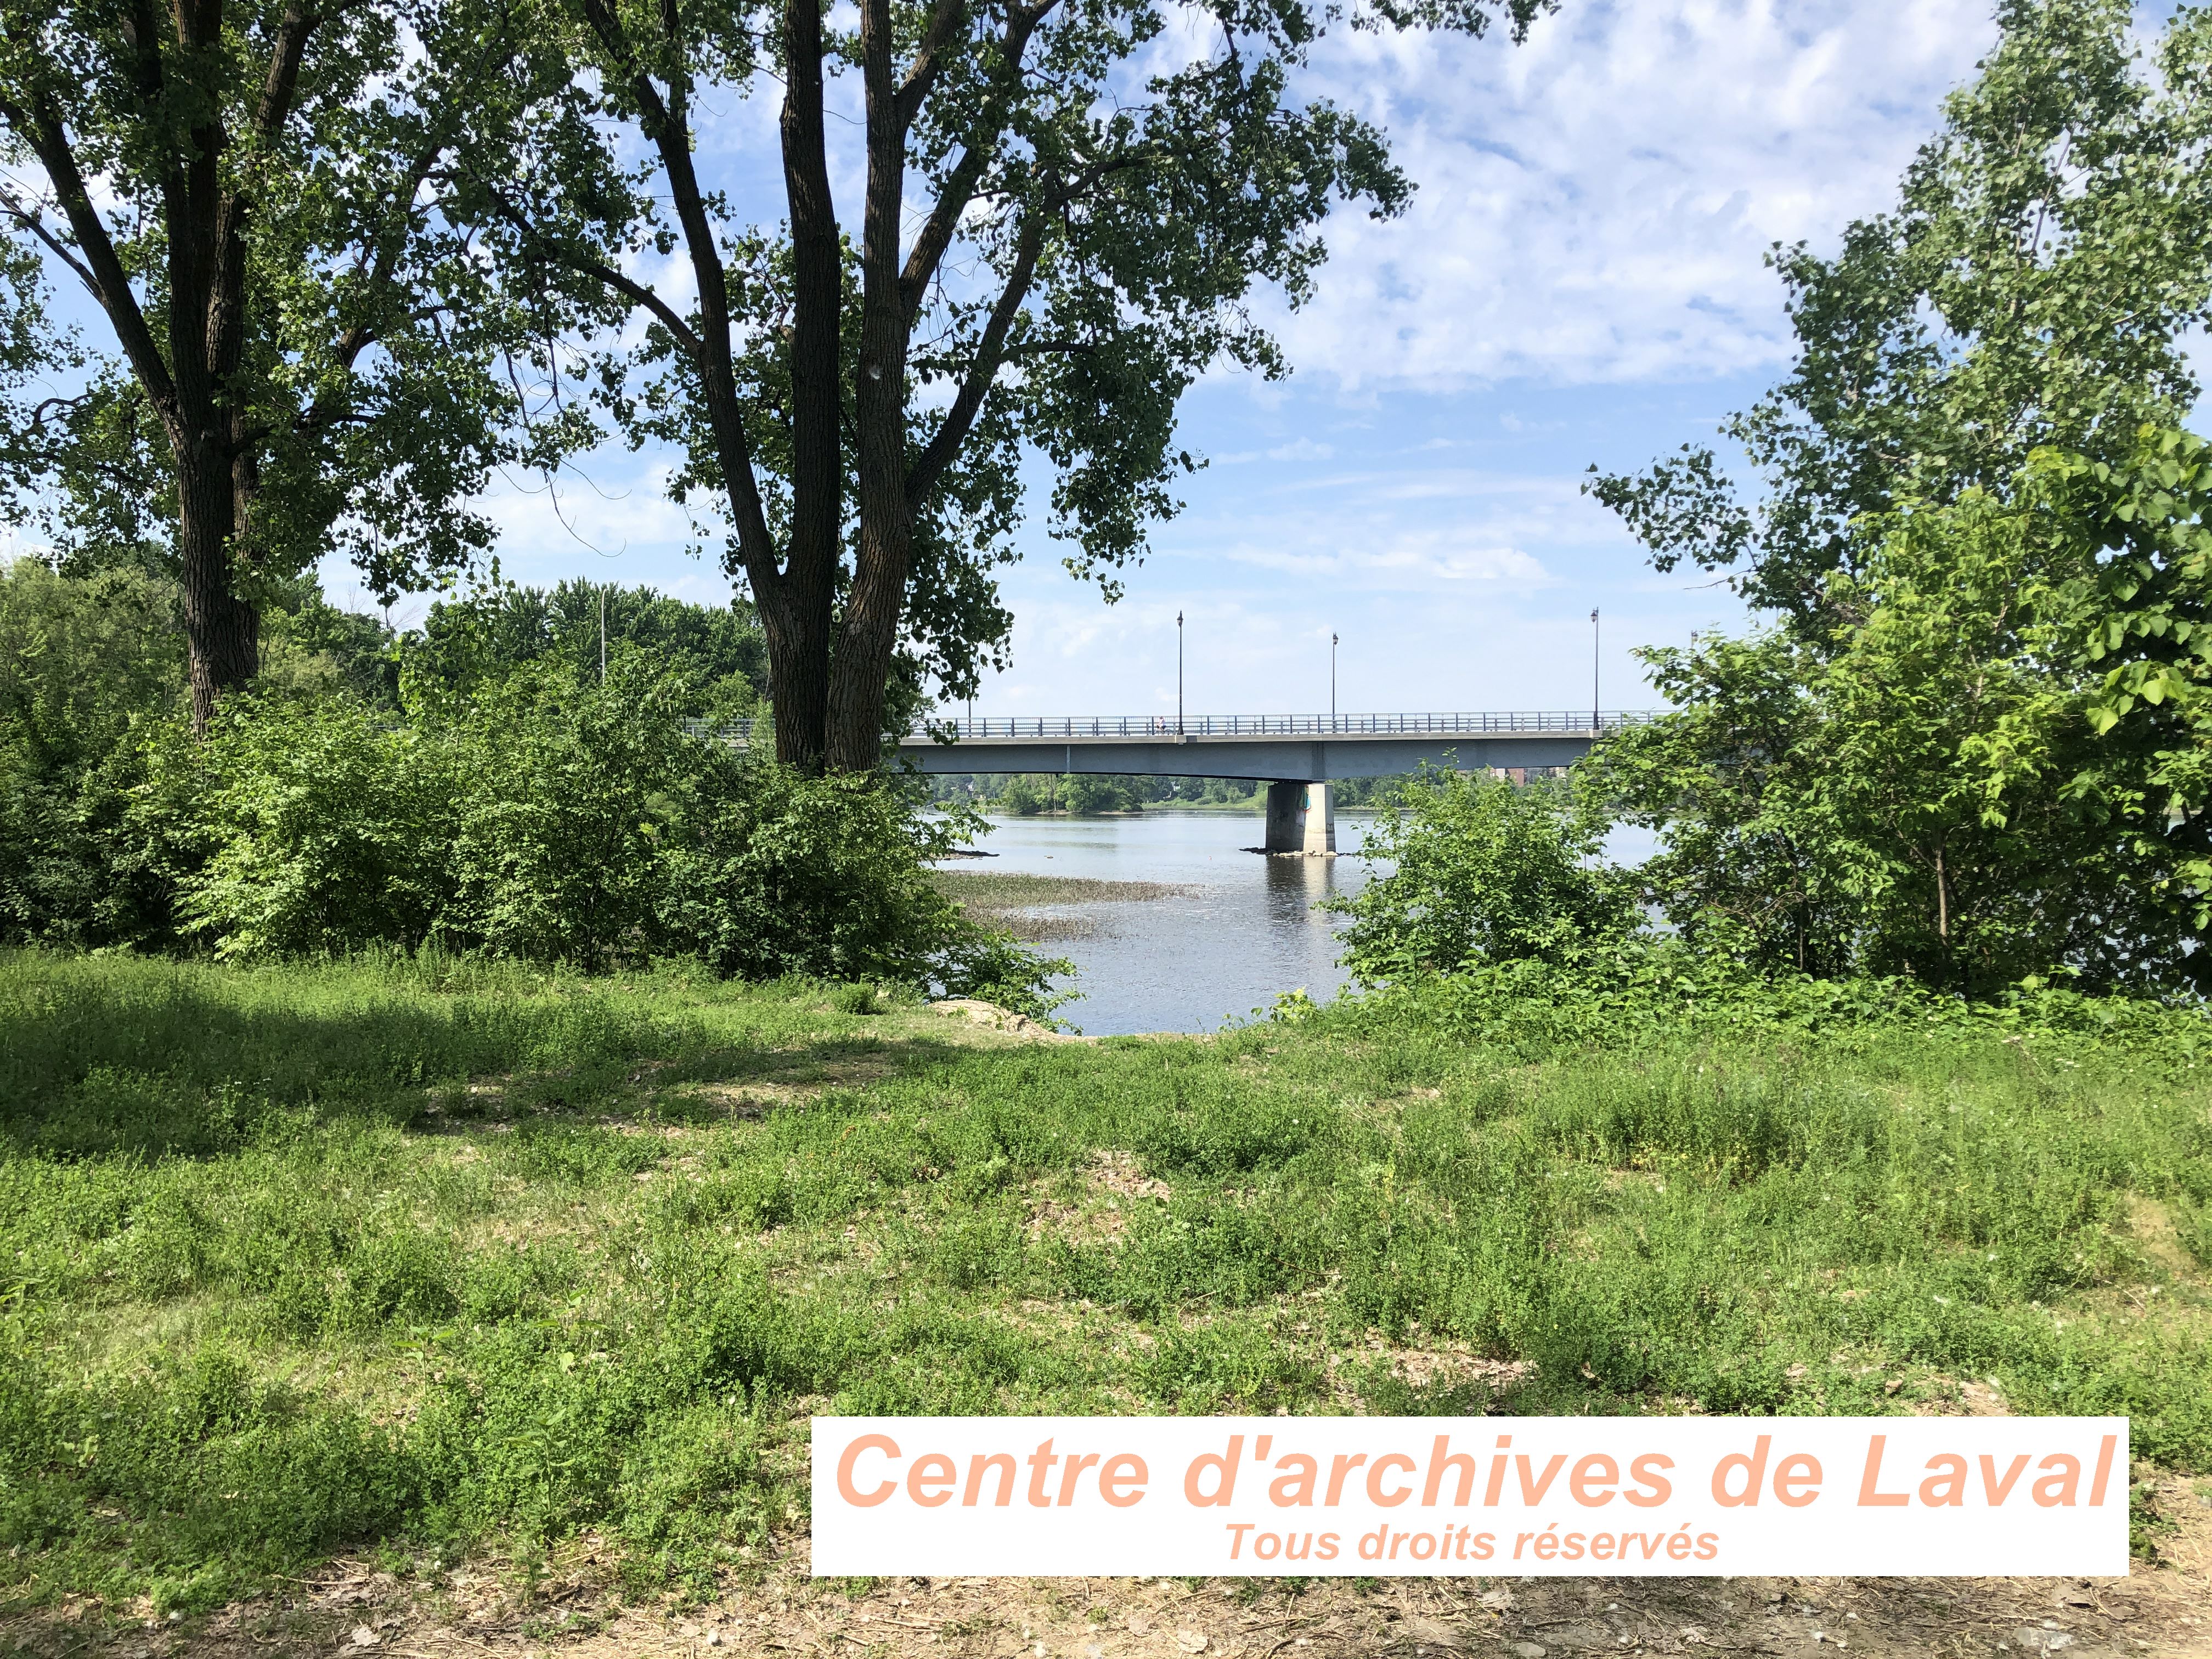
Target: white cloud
x=1593 y=205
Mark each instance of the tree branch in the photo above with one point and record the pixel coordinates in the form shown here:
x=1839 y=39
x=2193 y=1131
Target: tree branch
x=990 y=354
x=226 y=238
x=35 y=223
x=101 y=267
x=665 y=125
x=598 y=269
x=959 y=186
x=929 y=60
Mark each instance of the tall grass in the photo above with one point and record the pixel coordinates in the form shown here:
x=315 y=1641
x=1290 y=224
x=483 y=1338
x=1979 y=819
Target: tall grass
x=425 y=1254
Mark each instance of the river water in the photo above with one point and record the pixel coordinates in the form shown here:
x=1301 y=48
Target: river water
x=1242 y=932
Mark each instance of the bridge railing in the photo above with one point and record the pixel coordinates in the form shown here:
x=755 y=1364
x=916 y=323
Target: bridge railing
x=1153 y=727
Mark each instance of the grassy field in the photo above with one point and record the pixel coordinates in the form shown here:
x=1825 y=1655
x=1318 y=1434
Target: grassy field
x=426 y=1259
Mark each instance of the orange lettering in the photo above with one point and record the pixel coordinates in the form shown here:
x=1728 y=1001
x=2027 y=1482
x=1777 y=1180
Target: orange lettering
x=851 y=1493
x=2058 y=1488
x=1946 y=1484
x=1800 y=1469
x=1384 y=1465
x=1754 y=1469
x=1997 y=1490
x=1643 y=1472
x=1871 y=1476
x=1002 y=1461
x=931 y=1470
x=1592 y=1471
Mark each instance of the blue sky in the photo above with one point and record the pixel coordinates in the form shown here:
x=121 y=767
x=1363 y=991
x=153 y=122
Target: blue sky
x=1579 y=280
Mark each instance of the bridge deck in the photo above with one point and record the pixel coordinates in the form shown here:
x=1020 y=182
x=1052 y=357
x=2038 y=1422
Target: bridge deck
x=1275 y=748
x=1517 y=724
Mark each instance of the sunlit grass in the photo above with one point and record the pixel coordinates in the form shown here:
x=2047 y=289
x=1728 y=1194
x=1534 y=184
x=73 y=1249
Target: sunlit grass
x=437 y=1253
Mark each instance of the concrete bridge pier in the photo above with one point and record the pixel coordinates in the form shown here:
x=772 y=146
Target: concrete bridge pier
x=1301 y=819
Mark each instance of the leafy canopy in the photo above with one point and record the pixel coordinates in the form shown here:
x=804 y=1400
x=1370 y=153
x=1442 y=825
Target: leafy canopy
x=2036 y=283
x=1064 y=208
x=1919 y=768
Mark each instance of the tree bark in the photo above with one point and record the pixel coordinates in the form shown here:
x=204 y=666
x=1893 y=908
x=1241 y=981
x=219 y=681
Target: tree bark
x=221 y=629
x=885 y=554
x=828 y=673
x=809 y=582
x=190 y=378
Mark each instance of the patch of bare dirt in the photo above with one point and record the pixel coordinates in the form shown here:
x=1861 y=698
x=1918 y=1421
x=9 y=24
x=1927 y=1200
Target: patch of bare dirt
x=2152 y=1224
x=991 y=1017
x=1112 y=1185
x=1428 y=1366
x=568 y=1612
x=1119 y=1173
x=1946 y=1397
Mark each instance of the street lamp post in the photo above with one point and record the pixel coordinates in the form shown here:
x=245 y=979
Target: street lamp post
x=1178 y=673
x=1332 y=682
x=1594 y=698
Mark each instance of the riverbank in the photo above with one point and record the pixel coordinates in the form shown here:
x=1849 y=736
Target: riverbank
x=494 y=1283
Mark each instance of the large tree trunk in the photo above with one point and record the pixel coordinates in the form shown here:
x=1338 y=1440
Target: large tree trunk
x=861 y=668
x=222 y=630
x=798 y=678
x=808 y=584
x=873 y=607
x=177 y=66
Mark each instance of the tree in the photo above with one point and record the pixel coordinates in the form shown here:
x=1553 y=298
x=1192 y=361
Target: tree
x=2049 y=252
x=716 y=650
x=1907 y=772
x=1928 y=794
x=1086 y=231
x=308 y=352
x=1481 y=872
x=2134 y=603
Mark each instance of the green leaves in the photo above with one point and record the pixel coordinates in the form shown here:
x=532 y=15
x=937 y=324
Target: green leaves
x=1481 y=872
x=1988 y=774
x=304 y=354
x=1970 y=750
x=1067 y=208
x=2051 y=249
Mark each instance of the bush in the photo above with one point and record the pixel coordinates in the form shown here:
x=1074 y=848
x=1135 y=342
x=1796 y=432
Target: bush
x=550 y=819
x=1482 y=872
x=332 y=827
x=87 y=668
x=578 y=791
x=526 y=809
x=1651 y=993
x=779 y=873
x=773 y=873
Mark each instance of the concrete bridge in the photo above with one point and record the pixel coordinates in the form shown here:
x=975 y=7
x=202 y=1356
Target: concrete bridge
x=1295 y=754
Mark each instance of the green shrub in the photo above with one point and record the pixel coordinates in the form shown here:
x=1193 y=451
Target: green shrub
x=1481 y=872
x=578 y=790
x=548 y=819
x=1640 y=993
x=332 y=826
x=773 y=873
x=85 y=667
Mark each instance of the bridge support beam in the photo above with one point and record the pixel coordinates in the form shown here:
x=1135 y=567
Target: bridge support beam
x=1301 y=819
